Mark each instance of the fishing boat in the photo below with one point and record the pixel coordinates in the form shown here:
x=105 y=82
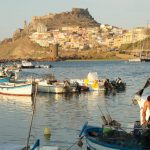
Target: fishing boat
x=91 y=81
x=118 y=84
x=43 y=66
x=135 y=60
x=114 y=138
x=56 y=87
x=18 y=89
x=26 y=64
x=50 y=84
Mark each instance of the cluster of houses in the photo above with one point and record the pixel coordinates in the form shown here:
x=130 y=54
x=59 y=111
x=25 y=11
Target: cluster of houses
x=79 y=38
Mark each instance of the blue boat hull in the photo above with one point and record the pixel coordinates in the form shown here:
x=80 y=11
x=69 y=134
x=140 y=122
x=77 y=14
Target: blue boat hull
x=96 y=139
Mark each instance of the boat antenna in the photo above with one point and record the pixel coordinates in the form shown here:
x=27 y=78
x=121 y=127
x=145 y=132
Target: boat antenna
x=33 y=111
x=103 y=116
x=108 y=116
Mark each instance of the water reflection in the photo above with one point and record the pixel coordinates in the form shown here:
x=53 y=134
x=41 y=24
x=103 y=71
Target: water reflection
x=21 y=102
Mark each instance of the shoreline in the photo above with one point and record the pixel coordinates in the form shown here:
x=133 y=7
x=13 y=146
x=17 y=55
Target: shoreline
x=95 y=60
x=45 y=60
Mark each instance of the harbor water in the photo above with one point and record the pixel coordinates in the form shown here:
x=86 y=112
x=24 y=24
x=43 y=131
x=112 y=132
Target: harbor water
x=65 y=114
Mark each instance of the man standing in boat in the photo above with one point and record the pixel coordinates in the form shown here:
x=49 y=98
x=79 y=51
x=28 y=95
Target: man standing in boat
x=144 y=113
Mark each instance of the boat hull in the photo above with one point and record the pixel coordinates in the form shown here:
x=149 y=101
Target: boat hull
x=135 y=60
x=27 y=67
x=4 y=79
x=94 y=146
x=51 y=89
x=91 y=85
x=16 y=89
x=145 y=59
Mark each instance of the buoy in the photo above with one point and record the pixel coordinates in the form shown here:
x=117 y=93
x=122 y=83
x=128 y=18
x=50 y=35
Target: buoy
x=47 y=131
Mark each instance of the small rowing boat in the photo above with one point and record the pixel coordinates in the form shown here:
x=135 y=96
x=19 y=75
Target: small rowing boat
x=18 y=89
x=115 y=138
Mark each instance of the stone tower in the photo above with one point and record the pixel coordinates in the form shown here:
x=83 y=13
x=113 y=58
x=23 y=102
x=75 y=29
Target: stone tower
x=54 y=50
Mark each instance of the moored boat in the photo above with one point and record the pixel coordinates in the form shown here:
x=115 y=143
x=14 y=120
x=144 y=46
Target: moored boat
x=114 y=138
x=43 y=66
x=18 y=89
x=118 y=84
x=58 y=87
x=55 y=87
x=91 y=81
x=135 y=60
x=27 y=64
x=50 y=85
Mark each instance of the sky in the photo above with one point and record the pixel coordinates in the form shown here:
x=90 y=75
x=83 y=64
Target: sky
x=121 y=13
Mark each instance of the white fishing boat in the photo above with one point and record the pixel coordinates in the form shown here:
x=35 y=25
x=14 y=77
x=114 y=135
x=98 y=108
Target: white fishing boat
x=135 y=60
x=91 y=81
x=56 y=87
x=27 y=64
x=49 y=84
x=18 y=89
x=43 y=66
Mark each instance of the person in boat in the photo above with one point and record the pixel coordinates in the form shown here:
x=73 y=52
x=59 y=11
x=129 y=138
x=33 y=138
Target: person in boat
x=145 y=108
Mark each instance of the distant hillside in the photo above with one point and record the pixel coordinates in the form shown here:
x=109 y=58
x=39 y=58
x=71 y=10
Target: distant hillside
x=23 y=48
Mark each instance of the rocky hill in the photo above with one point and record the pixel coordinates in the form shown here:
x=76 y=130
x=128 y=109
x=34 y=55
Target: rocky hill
x=76 y=17
x=23 y=48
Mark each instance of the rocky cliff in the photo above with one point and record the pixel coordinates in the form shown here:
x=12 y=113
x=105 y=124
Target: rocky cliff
x=76 y=17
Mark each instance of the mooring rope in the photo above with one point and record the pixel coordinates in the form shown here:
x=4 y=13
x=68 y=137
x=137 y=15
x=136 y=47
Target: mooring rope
x=33 y=111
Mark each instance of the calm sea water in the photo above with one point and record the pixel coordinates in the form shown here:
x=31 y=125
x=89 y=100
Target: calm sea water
x=66 y=114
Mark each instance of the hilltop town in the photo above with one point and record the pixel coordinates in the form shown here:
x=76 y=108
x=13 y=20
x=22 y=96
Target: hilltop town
x=73 y=35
